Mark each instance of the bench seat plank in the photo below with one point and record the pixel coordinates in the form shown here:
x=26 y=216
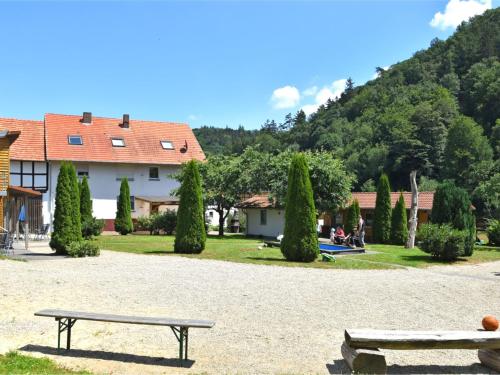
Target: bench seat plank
x=155 y=321
x=409 y=340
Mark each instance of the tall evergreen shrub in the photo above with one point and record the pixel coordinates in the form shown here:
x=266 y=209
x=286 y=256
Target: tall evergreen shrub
x=352 y=219
x=85 y=201
x=383 y=211
x=190 y=235
x=75 y=201
x=123 y=220
x=452 y=205
x=63 y=227
x=399 y=223
x=300 y=240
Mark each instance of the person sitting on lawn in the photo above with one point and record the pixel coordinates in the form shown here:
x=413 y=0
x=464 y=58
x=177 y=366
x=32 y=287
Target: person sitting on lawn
x=339 y=235
x=350 y=239
x=332 y=235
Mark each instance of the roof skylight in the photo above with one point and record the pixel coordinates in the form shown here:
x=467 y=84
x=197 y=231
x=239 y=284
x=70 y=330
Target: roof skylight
x=117 y=142
x=75 y=140
x=167 y=145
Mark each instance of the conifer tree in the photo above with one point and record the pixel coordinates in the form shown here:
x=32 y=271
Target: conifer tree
x=352 y=219
x=85 y=201
x=190 y=235
x=399 y=225
x=75 y=202
x=123 y=220
x=63 y=227
x=383 y=211
x=300 y=241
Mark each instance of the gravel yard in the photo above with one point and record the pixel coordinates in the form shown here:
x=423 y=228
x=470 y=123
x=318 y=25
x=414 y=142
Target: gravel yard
x=268 y=319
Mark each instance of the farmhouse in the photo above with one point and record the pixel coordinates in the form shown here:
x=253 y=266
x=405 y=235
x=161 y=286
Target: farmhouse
x=265 y=219
x=105 y=150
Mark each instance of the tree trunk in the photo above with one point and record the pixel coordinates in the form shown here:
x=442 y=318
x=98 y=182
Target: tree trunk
x=221 y=221
x=410 y=244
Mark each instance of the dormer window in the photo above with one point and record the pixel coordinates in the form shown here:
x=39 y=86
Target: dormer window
x=117 y=142
x=75 y=140
x=167 y=145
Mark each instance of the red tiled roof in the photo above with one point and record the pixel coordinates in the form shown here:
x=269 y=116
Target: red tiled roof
x=30 y=144
x=256 y=201
x=367 y=200
x=142 y=141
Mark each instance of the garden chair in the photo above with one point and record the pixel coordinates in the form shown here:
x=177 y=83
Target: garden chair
x=42 y=233
x=6 y=242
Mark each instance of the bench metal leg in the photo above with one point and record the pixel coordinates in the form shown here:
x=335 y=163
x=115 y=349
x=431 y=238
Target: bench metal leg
x=182 y=335
x=64 y=325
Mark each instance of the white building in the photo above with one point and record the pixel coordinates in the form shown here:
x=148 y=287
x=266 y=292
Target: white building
x=105 y=150
x=262 y=217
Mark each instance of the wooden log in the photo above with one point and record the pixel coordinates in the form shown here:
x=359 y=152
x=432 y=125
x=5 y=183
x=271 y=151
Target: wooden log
x=409 y=340
x=490 y=358
x=364 y=361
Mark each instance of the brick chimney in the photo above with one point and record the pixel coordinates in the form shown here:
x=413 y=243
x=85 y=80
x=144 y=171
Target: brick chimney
x=126 y=121
x=87 y=118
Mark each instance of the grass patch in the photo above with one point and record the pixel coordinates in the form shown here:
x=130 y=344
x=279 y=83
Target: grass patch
x=246 y=250
x=15 y=363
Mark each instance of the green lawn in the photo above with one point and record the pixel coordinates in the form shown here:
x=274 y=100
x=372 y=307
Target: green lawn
x=15 y=363
x=246 y=250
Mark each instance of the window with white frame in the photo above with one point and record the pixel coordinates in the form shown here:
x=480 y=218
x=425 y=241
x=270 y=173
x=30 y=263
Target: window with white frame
x=75 y=140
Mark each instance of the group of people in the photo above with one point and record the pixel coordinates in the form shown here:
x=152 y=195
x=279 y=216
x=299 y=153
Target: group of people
x=354 y=238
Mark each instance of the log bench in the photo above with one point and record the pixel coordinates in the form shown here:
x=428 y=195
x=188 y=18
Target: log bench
x=180 y=327
x=361 y=348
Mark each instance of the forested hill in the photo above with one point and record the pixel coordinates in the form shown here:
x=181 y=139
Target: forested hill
x=438 y=112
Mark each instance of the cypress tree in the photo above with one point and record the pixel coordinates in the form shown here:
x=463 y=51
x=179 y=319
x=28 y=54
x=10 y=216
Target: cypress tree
x=352 y=219
x=75 y=202
x=399 y=224
x=63 y=227
x=123 y=220
x=190 y=235
x=85 y=201
x=383 y=211
x=300 y=241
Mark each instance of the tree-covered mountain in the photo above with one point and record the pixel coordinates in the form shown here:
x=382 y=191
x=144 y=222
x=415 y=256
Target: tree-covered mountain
x=437 y=112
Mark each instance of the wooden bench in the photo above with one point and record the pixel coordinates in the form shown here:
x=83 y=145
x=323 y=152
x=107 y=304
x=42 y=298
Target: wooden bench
x=180 y=327
x=361 y=347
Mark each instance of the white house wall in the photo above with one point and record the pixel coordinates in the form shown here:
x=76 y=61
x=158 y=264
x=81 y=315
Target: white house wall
x=274 y=226
x=104 y=182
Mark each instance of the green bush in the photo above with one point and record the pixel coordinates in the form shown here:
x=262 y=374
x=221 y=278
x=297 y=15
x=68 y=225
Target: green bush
x=123 y=220
x=190 y=234
x=383 y=212
x=399 y=222
x=493 y=232
x=352 y=219
x=300 y=240
x=165 y=221
x=92 y=227
x=64 y=224
x=452 y=205
x=145 y=223
x=442 y=241
x=83 y=249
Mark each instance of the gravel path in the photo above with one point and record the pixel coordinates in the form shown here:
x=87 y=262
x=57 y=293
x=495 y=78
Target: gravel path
x=268 y=319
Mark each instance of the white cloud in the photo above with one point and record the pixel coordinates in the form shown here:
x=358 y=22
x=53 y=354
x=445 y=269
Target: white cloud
x=457 y=11
x=310 y=108
x=332 y=91
x=285 y=97
x=192 y=117
x=310 y=91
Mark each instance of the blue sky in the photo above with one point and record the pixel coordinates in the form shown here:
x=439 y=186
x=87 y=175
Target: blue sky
x=205 y=63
